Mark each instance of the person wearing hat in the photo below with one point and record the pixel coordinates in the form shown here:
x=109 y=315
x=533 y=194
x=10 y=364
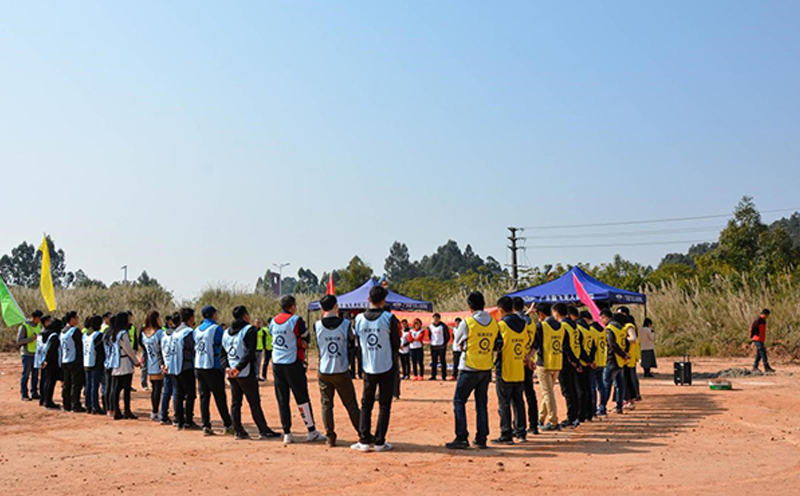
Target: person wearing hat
x=26 y=340
x=208 y=370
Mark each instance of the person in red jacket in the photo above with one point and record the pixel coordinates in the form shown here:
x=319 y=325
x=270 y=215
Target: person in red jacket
x=758 y=334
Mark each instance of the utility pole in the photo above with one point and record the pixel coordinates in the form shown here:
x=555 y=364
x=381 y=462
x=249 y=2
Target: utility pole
x=514 y=266
x=125 y=274
x=280 y=275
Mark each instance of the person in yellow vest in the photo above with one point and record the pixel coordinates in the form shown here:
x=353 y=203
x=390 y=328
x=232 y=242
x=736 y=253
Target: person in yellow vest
x=267 y=350
x=26 y=341
x=549 y=342
x=617 y=354
x=586 y=360
x=259 y=346
x=598 y=336
x=568 y=377
x=476 y=335
x=631 y=380
x=512 y=345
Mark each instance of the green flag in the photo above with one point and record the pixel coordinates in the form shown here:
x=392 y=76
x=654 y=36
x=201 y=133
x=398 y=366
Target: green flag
x=12 y=314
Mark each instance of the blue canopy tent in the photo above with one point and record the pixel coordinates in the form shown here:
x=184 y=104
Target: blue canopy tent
x=358 y=299
x=563 y=290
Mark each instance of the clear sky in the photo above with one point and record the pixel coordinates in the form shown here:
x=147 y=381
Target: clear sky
x=205 y=141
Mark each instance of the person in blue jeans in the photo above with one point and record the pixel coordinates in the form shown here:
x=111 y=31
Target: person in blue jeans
x=617 y=342
x=26 y=341
x=94 y=355
x=476 y=335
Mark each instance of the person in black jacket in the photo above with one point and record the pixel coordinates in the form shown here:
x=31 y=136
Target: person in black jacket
x=94 y=373
x=439 y=335
x=71 y=364
x=52 y=371
x=568 y=377
x=239 y=363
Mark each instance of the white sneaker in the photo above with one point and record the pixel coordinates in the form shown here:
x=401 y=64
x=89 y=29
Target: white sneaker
x=288 y=439
x=383 y=447
x=361 y=447
x=315 y=435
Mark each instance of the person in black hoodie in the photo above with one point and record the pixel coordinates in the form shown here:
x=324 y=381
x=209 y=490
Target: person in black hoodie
x=568 y=377
x=237 y=356
x=51 y=338
x=588 y=349
x=513 y=350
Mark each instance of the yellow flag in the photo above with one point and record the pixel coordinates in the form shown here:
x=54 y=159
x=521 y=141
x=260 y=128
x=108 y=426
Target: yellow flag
x=46 y=279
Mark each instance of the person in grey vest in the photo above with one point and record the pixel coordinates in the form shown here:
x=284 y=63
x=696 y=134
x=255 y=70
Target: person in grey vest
x=71 y=364
x=26 y=341
x=289 y=343
x=93 y=357
x=39 y=357
x=237 y=356
x=378 y=333
x=334 y=376
x=182 y=365
x=168 y=394
x=208 y=370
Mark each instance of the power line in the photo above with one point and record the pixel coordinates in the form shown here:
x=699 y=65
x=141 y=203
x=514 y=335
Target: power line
x=639 y=233
x=614 y=245
x=653 y=221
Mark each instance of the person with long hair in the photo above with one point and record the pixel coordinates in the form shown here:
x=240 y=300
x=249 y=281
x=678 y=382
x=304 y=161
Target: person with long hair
x=647 y=336
x=417 y=350
x=151 y=344
x=50 y=355
x=405 y=350
x=123 y=362
x=94 y=355
x=108 y=378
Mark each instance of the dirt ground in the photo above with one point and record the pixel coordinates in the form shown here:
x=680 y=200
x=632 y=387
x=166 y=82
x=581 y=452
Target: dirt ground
x=679 y=440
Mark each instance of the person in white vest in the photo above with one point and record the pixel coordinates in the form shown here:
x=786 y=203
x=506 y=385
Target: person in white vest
x=289 y=344
x=94 y=355
x=334 y=377
x=440 y=335
x=456 y=350
x=238 y=357
x=208 y=370
x=378 y=333
x=71 y=364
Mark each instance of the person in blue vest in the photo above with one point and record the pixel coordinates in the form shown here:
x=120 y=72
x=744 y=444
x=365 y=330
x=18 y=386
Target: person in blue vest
x=123 y=363
x=334 y=376
x=208 y=370
x=378 y=334
x=238 y=358
x=50 y=358
x=182 y=366
x=26 y=341
x=39 y=358
x=108 y=378
x=94 y=355
x=289 y=343
x=71 y=364
x=152 y=360
x=168 y=394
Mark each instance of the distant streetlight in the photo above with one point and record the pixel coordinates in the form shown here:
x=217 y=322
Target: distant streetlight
x=280 y=275
x=125 y=273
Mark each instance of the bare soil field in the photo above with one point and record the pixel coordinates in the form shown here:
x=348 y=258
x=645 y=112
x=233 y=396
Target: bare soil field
x=679 y=440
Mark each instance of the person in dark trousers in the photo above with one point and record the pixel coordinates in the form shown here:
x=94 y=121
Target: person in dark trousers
x=94 y=354
x=476 y=336
x=208 y=370
x=267 y=350
x=182 y=365
x=456 y=350
x=586 y=410
x=170 y=380
x=439 y=335
x=417 y=350
x=600 y=358
x=238 y=358
x=758 y=335
x=26 y=341
x=378 y=333
x=39 y=359
x=289 y=344
x=513 y=353
x=334 y=378
x=617 y=346
x=108 y=379
x=50 y=368
x=568 y=377
x=150 y=339
x=71 y=364
x=405 y=351
x=123 y=363
x=530 y=393
x=356 y=359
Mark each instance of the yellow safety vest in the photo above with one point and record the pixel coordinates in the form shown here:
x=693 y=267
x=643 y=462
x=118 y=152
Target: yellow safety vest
x=515 y=348
x=601 y=354
x=132 y=334
x=31 y=332
x=635 y=348
x=622 y=339
x=574 y=340
x=552 y=341
x=588 y=339
x=480 y=343
x=260 y=338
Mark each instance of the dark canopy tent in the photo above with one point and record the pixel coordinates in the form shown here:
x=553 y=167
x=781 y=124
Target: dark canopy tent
x=563 y=290
x=358 y=299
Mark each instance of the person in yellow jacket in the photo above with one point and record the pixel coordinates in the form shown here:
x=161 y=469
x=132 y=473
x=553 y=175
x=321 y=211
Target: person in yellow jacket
x=617 y=354
x=549 y=343
x=476 y=335
x=259 y=346
x=26 y=341
x=512 y=345
x=631 y=380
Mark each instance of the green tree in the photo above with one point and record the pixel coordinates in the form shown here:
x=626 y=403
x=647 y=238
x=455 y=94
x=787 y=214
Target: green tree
x=84 y=281
x=23 y=266
x=738 y=242
x=145 y=280
x=307 y=281
x=398 y=266
x=356 y=274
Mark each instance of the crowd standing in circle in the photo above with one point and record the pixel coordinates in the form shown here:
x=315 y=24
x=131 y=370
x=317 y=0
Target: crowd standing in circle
x=182 y=358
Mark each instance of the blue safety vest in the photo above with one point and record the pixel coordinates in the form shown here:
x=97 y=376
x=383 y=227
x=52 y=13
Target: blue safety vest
x=284 y=341
x=175 y=364
x=114 y=352
x=374 y=336
x=332 y=345
x=68 y=351
x=167 y=350
x=152 y=346
x=41 y=348
x=89 y=351
x=206 y=353
x=234 y=347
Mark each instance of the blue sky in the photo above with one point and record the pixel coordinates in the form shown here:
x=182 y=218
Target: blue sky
x=204 y=141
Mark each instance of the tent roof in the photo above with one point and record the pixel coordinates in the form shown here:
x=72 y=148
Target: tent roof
x=358 y=299
x=563 y=289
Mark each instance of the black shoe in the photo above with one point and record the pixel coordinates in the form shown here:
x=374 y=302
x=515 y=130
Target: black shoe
x=25 y=398
x=191 y=426
x=457 y=444
x=534 y=431
x=35 y=396
x=270 y=433
x=480 y=445
x=431 y=378
x=100 y=412
x=118 y=415
x=53 y=406
x=79 y=409
x=503 y=440
x=242 y=436
x=166 y=421
x=769 y=369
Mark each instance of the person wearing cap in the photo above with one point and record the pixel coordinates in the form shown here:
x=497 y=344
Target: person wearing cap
x=208 y=370
x=26 y=340
x=334 y=378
